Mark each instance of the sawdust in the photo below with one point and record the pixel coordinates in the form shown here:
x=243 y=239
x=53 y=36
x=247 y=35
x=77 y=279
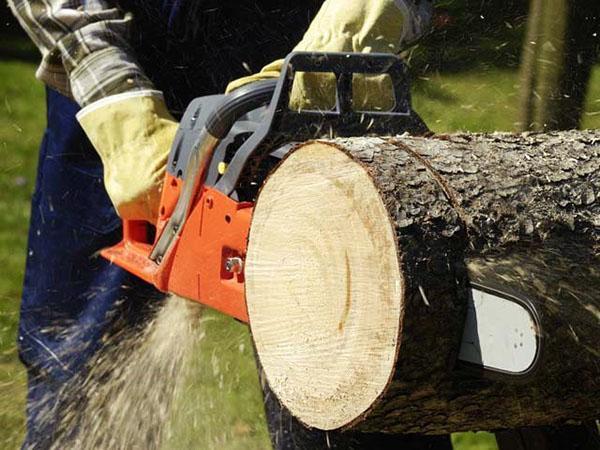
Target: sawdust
x=125 y=400
x=184 y=379
x=219 y=405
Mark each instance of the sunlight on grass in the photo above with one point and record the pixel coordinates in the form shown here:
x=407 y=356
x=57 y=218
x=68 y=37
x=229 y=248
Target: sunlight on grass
x=474 y=441
x=483 y=101
x=469 y=101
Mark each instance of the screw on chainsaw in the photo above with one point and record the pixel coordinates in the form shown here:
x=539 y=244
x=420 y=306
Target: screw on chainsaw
x=234 y=265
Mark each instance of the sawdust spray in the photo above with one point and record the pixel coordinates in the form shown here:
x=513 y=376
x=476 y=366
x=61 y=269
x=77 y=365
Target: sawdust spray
x=125 y=400
x=186 y=380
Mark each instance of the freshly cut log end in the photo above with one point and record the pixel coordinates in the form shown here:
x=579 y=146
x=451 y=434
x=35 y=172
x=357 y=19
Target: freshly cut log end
x=323 y=286
x=359 y=260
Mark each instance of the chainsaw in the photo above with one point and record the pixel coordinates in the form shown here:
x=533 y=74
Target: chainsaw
x=223 y=151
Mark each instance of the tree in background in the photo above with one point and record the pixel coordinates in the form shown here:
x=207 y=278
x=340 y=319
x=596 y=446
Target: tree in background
x=561 y=45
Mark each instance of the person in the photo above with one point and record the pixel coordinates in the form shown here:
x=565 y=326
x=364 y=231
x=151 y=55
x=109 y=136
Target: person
x=118 y=76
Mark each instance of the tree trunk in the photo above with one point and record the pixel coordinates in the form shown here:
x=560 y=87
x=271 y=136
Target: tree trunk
x=528 y=67
x=560 y=48
x=359 y=257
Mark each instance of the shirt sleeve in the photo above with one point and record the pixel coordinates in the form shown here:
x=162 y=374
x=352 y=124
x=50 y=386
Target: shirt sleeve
x=85 y=47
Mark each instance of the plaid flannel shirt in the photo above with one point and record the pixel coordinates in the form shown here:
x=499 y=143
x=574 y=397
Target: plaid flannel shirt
x=84 y=44
x=85 y=47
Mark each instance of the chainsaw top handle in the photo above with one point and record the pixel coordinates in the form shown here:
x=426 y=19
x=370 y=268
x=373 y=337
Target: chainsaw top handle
x=238 y=103
x=283 y=124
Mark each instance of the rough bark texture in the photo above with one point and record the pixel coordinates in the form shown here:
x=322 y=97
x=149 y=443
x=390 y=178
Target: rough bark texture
x=521 y=211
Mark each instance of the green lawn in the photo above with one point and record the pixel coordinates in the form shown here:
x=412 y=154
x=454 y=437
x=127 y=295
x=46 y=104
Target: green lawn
x=232 y=418
x=483 y=101
x=22 y=119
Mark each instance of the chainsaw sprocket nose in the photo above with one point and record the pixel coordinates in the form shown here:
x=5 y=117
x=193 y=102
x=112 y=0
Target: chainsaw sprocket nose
x=224 y=149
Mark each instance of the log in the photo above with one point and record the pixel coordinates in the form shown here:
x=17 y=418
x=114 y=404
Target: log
x=360 y=255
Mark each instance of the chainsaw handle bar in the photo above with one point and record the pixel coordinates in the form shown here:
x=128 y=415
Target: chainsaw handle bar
x=344 y=66
x=237 y=104
x=284 y=124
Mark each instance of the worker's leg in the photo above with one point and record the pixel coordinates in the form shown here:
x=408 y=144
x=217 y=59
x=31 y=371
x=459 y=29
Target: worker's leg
x=287 y=433
x=71 y=296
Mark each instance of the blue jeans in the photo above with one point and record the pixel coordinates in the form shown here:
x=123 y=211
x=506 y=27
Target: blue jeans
x=71 y=296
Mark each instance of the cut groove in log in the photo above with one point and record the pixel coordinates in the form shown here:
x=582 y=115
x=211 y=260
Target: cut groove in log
x=359 y=256
x=320 y=218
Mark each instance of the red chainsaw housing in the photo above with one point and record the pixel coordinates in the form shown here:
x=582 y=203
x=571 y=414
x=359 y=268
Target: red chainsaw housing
x=195 y=268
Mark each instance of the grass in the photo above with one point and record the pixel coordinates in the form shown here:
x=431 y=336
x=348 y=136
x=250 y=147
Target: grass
x=221 y=406
x=21 y=125
x=233 y=417
x=483 y=100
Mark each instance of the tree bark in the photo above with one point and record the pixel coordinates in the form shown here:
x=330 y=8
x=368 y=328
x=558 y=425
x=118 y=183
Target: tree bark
x=356 y=332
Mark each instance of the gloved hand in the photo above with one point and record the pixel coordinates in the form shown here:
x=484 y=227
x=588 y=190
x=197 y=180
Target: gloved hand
x=363 y=26
x=132 y=133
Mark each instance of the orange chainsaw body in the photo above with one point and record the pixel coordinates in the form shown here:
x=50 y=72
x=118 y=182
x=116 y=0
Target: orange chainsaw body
x=197 y=247
x=215 y=231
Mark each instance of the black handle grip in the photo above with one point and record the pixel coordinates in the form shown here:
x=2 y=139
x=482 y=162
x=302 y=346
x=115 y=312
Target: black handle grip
x=344 y=66
x=237 y=104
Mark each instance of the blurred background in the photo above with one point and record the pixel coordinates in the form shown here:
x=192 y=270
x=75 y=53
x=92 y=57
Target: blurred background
x=489 y=65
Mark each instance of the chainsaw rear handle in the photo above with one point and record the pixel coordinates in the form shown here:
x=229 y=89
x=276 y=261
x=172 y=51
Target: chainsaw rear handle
x=217 y=126
x=280 y=121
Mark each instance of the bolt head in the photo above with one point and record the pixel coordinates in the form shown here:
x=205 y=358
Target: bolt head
x=234 y=265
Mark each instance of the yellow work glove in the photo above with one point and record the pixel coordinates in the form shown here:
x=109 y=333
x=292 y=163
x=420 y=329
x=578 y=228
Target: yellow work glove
x=272 y=70
x=360 y=26
x=132 y=133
